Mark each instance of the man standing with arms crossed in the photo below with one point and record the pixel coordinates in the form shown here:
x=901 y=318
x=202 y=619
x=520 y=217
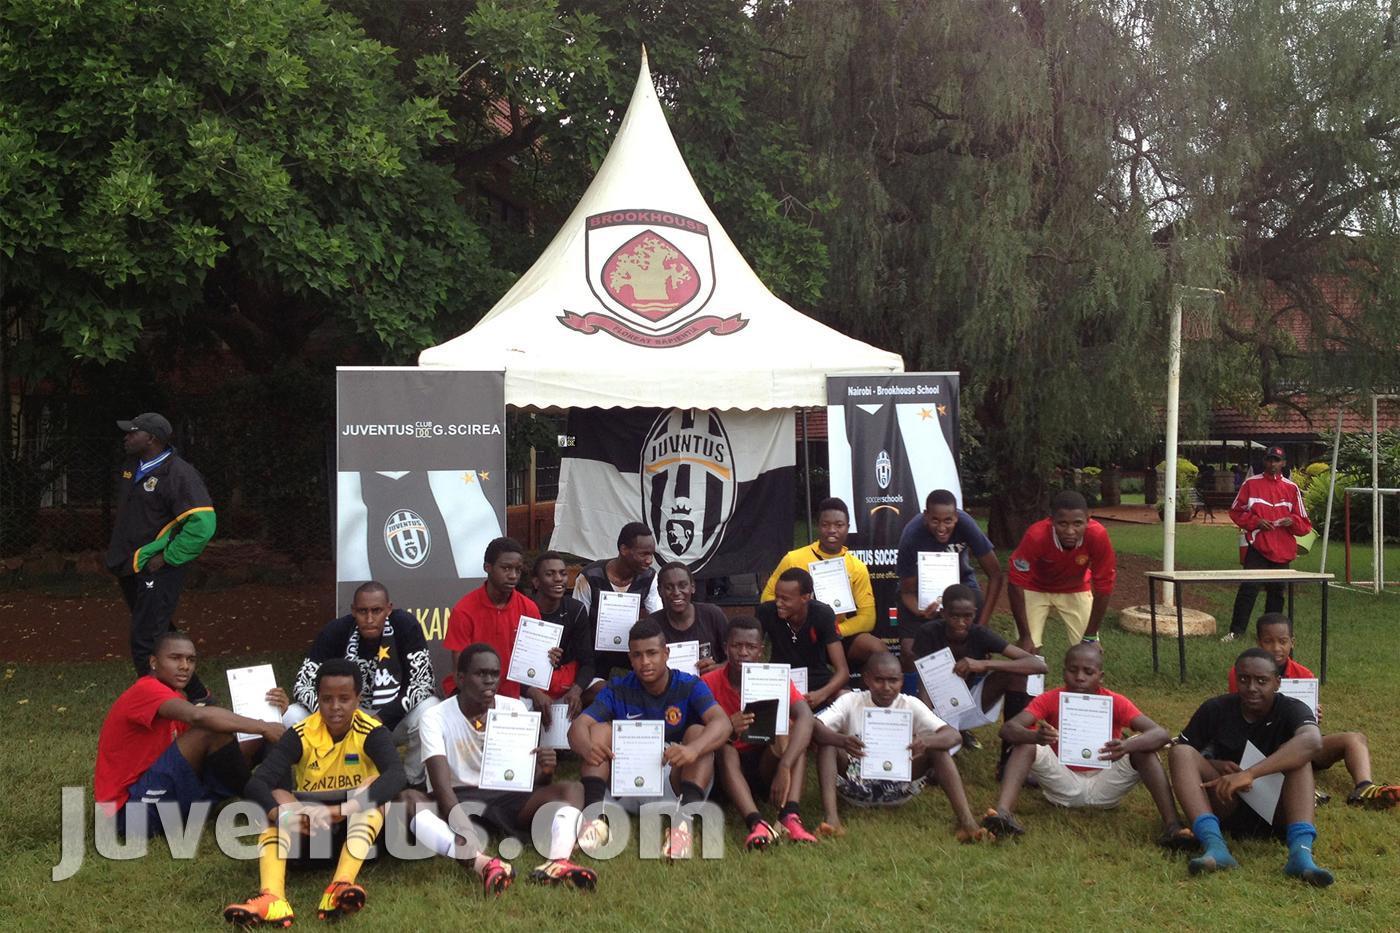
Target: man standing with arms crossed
x=164 y=519
x=1269 y=510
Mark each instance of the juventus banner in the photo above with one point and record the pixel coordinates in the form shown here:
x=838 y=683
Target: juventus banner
x=715 y=487
x=420 y=485
x=891 y=440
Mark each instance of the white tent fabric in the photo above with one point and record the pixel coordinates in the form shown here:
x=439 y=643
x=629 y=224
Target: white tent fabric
x=642 y=300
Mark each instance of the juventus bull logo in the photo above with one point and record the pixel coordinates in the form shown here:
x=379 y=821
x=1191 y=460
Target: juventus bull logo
x=407 y=539
x=655 y=272
x=689 y=484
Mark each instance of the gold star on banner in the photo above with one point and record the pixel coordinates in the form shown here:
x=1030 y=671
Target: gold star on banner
x=942 y=411
x=925 y=414
x=383 y=652
x=485 y=475
x=469 y=477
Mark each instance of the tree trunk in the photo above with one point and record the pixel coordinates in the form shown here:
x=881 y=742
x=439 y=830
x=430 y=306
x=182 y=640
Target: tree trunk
x=1019 y=503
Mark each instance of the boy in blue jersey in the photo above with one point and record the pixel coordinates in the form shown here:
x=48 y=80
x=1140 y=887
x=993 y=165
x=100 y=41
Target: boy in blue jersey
x=696 y=728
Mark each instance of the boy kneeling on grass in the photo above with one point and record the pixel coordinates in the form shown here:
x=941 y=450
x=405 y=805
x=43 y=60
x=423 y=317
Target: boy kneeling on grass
x=1034 y=733
x=1274 y=633
x=1206 y=772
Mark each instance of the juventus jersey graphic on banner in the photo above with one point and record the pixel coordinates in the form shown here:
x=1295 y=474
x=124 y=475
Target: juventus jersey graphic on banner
x=882 y=485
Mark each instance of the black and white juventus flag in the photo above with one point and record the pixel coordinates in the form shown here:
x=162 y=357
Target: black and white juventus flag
x=891 y=440
x=715 y=487
x=420 y=484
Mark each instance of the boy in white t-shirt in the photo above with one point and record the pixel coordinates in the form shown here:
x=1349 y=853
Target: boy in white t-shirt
x=453 y=734
x=837 y=732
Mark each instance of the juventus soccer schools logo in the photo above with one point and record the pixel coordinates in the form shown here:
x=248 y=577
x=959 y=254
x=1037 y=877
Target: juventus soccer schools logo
x=655 y=271
x=689 y=484
x=407 y=539
x=883 y=469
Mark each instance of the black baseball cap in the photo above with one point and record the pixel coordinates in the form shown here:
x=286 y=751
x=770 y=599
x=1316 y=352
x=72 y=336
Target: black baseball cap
x=153 y=424
x=1275 y=453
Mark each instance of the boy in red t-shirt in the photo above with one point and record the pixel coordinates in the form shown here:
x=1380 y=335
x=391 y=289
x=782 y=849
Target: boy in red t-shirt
x=1035 y=733
x=156 y=746
x=1274 y=633
x=1065 y=564
x=491 y=613
x=746 y=769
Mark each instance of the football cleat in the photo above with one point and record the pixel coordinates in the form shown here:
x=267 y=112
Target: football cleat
x=497 y=876
x=340 y=897
x=760 y=837
x=265 y=907
x=1375 y=796
x=792 y=825
x=562 y=871
x=676 y=845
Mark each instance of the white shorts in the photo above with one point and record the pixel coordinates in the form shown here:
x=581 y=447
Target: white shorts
x=977 y=717
x=1066 y=788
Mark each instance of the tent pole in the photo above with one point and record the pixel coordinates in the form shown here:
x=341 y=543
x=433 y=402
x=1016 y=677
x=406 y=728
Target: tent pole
x=807 y=471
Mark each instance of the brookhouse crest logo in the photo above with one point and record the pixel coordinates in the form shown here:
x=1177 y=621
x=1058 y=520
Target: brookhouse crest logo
x=655 y=272
x=689 y=484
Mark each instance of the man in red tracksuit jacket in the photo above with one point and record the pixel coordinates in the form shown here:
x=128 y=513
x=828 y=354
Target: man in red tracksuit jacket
x=1269 y=510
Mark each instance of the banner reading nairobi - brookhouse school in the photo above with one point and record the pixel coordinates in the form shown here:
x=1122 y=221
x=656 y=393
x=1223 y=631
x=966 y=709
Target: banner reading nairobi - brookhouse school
x=891 y=440
x=714 y=487
x=420 y=484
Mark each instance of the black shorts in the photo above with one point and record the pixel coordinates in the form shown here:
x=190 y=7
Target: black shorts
x=502 y=813
x=1244 y=823
x=751 y=768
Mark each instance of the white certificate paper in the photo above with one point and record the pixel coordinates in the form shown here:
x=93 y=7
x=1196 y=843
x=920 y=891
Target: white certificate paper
x=767 y=682
x=798 y=675
x=831 y=585
x=529 y=659
x=886 y=734
x=1263 y=794
x=1301 y=688
x=684 y=656
x=617 y=613
x=938 y=570
x=247 y=688
x=1035 y=684
x=508 y=756
x=557 y=735
x=946 y=691
x=1086 y=726
x=637 y=745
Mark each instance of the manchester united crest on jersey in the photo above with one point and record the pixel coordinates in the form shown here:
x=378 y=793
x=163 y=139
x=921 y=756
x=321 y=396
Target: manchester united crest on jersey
x=654 y=272
x=407 y=538
x=688 y=484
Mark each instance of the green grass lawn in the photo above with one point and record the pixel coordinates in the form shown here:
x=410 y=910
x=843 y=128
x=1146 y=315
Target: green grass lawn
x=896 y=870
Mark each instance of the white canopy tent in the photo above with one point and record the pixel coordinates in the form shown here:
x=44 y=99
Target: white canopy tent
x=642 y=300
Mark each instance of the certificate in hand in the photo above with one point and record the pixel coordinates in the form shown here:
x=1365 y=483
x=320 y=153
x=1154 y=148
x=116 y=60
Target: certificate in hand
x=529 y=659
x=508 y=756
x=886 y=734
x=831 y=585
x=1262 y=796
x=1086 y=726
x=798 y=676
x=946 y=691
x=1301 y=688
x=637 y=745
x=557 y=735
x=247 y=689
x=938 y=570
x=684 y=656
x=760 y=682
x=617 y=613
x=1035 y=684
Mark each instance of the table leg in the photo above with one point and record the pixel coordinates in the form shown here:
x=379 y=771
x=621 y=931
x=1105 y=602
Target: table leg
x=1325 y=589
x=1180 y=634
x=1290 y=602
x=1152 y=611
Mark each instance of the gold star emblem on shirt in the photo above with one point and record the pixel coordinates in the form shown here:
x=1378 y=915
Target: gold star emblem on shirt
x=383 y=652
x=925 y=414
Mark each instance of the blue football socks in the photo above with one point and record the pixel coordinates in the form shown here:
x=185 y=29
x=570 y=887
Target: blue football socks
x=1300 y=864
x=1216 y=856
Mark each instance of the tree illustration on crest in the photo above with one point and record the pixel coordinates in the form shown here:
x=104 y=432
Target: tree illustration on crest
x=651 y=267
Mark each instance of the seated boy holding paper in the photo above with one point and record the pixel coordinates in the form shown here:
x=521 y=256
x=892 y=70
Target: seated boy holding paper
x=682 y=619
x=1274 y=633
x=1281 y=737
x=1035 y=733
x=332 y=773
x=454 y=741
x=695 y=729
x=990 y=681
x=157 y=747
x=838 y=731
x=769 y=767
x=804 y=636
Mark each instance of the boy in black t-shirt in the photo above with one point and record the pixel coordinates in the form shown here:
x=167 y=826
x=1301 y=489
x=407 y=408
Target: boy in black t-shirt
x=1206 y=772
x=683 y=619
x=803 y=634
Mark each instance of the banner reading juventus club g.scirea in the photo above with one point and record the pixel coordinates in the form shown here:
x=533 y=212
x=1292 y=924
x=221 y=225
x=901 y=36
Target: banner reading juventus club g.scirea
x=420 y=485
x=891 y=440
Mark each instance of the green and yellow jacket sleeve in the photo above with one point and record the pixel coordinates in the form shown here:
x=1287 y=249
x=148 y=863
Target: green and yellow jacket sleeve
x=182 y=540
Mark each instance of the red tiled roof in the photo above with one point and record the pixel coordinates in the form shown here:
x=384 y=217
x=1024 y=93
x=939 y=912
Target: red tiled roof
x=1278 y=421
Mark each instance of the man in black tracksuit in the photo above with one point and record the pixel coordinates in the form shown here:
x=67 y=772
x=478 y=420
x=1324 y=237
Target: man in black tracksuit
x=164 y=519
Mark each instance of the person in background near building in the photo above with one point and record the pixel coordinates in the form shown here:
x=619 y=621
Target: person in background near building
x=164 y=519
x=1269 y=510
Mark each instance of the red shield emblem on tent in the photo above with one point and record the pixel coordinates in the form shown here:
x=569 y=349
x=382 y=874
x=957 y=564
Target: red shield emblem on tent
x=655 y=272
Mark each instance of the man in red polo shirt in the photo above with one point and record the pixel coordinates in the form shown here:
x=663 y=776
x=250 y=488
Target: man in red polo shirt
x=491 y=614
x=1064 y=563
x=1269 y=510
